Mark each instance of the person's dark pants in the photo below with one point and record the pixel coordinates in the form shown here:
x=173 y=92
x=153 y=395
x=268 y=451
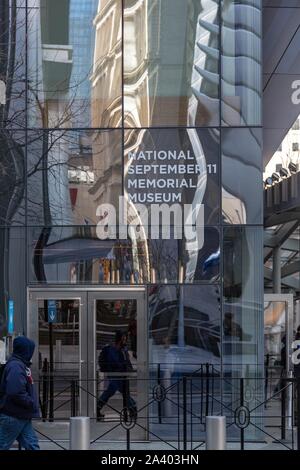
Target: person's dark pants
x=116 y=385
x=15 y=429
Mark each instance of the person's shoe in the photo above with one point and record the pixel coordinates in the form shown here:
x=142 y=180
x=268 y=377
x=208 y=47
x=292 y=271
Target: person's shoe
x=100 y=416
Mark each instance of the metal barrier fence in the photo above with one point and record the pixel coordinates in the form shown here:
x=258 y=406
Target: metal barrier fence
x=174 y=410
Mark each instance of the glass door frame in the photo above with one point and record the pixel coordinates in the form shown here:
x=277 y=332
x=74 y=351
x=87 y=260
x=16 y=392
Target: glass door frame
x=119 y=293
x=288 y=299
x=42 y=293
x=87 y=297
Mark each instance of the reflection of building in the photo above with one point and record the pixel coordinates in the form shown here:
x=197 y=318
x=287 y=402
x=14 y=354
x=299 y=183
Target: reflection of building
x=162 y=64
x=106 y=78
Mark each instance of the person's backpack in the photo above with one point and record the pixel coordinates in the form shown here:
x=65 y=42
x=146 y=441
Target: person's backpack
x=103 y=359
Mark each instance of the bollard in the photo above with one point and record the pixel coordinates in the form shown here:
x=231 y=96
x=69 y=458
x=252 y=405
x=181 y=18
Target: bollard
x=79 y=433
x=215 y=433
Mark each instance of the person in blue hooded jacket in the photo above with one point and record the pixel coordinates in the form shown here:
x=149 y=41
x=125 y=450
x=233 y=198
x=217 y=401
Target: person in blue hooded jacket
x=18 y=399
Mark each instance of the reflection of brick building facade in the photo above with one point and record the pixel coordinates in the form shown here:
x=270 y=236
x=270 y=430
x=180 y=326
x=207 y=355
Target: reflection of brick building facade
x=104 y=160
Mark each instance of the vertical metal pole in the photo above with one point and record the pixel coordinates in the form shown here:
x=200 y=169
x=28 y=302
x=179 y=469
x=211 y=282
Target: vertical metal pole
x=159 y=403
x=178 y=413
x=51 y=368
x=201 y=397
x=181 y=336
x=51 y=387
x=207 y=390
x=277 y=270
x=45 y=383
x=298 y=413
x=73 y=398
x=242 y=404
x=212 y=390
x=191 y=401
x=283 y=411
x=184 y=414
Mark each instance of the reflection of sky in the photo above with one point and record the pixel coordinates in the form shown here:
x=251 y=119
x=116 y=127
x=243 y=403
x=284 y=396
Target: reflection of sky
x=82 y=38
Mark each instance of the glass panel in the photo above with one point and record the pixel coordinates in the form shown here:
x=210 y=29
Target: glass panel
x=241 y=63
x=184 y=339
x=74 y=64
x=12 y=64
x=174 y=166
x=242 y=189
x=184 y=328
x=70 y=174
x=77 y=255
x=58 y=352
x=12 y=177
x=116 y=326
x=171 y=63
x=243 y=323
x=243 y=297
x=12 y=277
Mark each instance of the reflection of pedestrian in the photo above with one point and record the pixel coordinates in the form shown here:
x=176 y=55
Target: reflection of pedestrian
x=117 y=359
x=132 y=330
x=231 y=328
x=18 y=399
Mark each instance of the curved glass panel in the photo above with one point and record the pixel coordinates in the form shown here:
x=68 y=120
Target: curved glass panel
x=242 y=189
x=241 y=63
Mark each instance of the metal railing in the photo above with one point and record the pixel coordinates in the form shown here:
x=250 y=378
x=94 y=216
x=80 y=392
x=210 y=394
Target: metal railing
x=174 y=410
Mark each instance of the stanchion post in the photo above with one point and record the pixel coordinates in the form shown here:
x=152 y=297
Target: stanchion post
x=215 y=433
x=80 y=433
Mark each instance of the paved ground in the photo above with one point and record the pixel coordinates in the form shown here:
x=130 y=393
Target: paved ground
x=58 y=431
x=160 y=446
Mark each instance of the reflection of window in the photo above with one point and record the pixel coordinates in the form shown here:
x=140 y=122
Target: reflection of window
x=295 y=146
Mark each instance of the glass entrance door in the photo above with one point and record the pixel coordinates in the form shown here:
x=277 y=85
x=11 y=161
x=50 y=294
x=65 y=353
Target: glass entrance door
x=70 y=329
x=122 y=387
x=57 y=322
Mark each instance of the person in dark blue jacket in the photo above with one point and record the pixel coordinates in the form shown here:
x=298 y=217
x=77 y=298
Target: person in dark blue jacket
x=119 y=361
x=18 y=399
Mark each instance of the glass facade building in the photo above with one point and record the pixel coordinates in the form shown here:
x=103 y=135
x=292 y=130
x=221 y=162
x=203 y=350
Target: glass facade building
x=158 y=101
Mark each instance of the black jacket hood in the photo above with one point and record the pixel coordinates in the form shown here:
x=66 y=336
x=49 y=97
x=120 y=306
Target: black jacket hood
x=23 y=348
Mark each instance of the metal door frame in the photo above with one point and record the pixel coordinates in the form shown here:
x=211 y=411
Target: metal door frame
x=289 y=320
x=87 y=297
x=35 y=294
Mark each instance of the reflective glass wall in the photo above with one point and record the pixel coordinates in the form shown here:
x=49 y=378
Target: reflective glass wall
x=158 y=101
